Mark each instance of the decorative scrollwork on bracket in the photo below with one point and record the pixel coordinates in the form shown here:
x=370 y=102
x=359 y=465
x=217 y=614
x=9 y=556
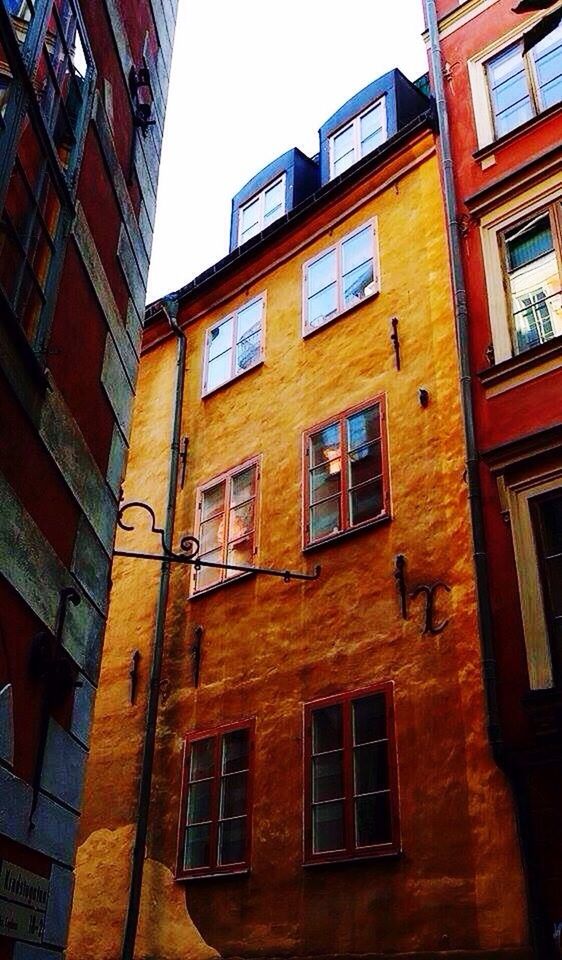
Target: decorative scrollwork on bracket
x=189 y=545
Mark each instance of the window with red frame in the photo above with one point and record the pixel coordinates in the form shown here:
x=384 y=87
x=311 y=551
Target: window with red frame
x=215 y=823
x=351 y=789
x=346 y=483
x=226 y=526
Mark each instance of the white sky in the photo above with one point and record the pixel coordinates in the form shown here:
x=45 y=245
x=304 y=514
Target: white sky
x=251 y=79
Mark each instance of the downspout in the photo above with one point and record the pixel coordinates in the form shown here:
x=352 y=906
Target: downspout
x=139 y=849
x=536 y=918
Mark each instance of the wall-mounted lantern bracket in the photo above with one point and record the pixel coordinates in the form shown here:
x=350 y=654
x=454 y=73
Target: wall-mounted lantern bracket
x=189 y=547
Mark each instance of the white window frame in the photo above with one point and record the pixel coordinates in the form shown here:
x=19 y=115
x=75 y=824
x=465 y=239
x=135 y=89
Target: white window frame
x=260 y=197
x=307 y=330
x=491 y=228
x=355 y=122
x=233 y=315
x=227 y=476
x=478 y=75
x=519 y=496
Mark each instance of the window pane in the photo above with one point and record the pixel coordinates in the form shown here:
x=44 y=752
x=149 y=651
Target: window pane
x=369 y=719
x=363 y=426
x=372 y=132
x=211 y=534
x=232 y=841
x=199 y=801
x=274 y=202
x=250 y=220
x=372 y=820
x=342 y=143
x=325 y=518
x=325 y=481
x=511 y=102
x=551 y=524
x=206 y=576
x=243 y=486
x=325 y=446
x=202 y=759
x=248 y=335
x=534 y=282
x=219 y=370
x=241 y=522
x=197 y=846
x=327 y=827
x=219 y=339
x=366 y=502
x=321 y=273
x=212 y=500
x=327 y=731
x=235 y=751
x=364 y=464
x=234 y=790
x=240 y=554
x=357 y=250
x=322 y=306
x=371 y=767
x=327 y=777
x=548 y=64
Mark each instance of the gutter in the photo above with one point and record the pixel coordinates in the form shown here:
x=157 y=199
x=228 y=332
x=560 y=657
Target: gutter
x=139 y=849
x=537 y=918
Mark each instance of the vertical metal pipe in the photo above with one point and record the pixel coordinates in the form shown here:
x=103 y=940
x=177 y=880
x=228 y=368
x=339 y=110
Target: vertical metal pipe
x=139 y=848
x=536 y=913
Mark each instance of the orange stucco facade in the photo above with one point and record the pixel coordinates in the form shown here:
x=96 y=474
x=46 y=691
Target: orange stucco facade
x=270 y=647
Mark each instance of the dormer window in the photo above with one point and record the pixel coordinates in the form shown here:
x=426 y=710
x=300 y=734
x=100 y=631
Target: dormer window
x=262 y=210
x=357 y=138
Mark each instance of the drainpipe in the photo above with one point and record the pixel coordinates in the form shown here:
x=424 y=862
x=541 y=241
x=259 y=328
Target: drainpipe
x=537 y=918
x=139 y=849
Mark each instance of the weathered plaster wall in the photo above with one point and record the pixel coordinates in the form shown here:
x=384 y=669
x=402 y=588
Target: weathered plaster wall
x=269 y=646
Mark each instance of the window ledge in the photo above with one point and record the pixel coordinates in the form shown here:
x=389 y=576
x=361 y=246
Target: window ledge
x=311 y=331
x=238 y=376
x=217 y=875
x=223 y=583
x=390 y=852
x=344 y=534
x=494 y=145
x=522 y=367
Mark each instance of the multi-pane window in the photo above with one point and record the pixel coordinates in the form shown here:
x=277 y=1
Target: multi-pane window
x=215 y=821
x=233 y=345
x=226 y=526
x=351 y=791
x=262 y=210
x=339 y=277
x=346 y=474
x=533 y=268
x=357 y=138
x=523 y=84
x=547 y=519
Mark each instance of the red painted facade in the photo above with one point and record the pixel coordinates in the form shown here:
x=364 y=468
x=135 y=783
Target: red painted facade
x=78 y=177
x=500 y=181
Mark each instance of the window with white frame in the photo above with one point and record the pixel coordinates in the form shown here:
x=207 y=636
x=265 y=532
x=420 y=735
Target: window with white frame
x=357 y=138
x=233 y=345
x=522 y=82
x=262 y=210
x=226 y=524
x=532 y=263
x=340 y=277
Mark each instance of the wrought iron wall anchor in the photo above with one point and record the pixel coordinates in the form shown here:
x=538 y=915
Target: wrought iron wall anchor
x=195 y=654
x=49 y=663
x=400 y=578
x=395 y=341
x=429 y=590
x=189 y=551
x=133 y=675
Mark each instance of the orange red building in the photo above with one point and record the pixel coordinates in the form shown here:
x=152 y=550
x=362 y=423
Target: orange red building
x=298 y=758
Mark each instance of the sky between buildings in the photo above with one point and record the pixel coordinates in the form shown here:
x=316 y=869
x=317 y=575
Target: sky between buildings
x=251 y=79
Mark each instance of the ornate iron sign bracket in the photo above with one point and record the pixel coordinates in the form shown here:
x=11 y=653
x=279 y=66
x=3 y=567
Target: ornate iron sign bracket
x=189 y=551
x=429 y=590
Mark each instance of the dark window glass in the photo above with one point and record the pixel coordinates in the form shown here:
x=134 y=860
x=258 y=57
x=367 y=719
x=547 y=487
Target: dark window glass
x=548 y=531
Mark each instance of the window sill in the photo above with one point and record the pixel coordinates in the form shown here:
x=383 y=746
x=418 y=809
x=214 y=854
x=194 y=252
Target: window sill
x=311 y=331
x=389 y=851
x=345 y=534
x=223 y=583
x=523 y=367
x=238 y=376
x=494 y=145
x=217 y=875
